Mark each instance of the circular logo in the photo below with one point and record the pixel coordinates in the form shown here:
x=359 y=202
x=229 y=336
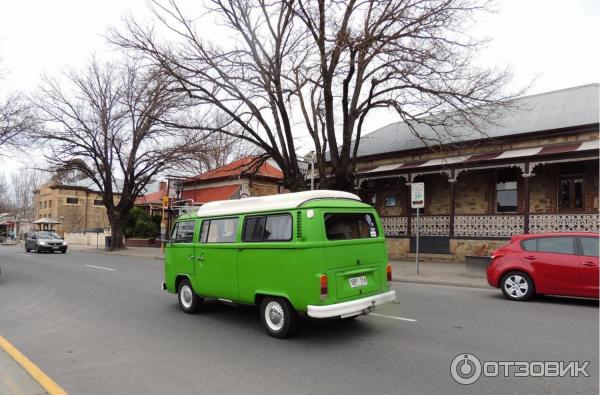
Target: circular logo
x=465 y=369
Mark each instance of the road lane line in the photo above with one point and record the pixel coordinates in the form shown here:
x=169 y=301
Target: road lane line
x=42 y=378
x=100 y=267
x=26 y=254
x=394 y=317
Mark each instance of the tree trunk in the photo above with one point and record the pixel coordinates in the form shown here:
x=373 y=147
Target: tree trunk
x=116 y=231
x=340 y=181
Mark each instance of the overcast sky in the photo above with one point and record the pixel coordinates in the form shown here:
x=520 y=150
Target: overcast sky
x=553 y=42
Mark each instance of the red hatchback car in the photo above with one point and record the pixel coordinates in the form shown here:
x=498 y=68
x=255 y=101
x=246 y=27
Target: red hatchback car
x=546 y=263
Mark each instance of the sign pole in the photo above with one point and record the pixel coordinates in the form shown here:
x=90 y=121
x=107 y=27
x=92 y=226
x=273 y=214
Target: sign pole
x=417 y=244
x=417 y=200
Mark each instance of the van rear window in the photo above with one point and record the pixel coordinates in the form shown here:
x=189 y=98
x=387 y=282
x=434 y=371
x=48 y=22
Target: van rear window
x=348 y=226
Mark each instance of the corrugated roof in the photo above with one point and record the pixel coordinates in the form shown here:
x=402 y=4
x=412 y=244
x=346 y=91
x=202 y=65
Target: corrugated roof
x=244 y=166
x=509 y=154
x=564 y=108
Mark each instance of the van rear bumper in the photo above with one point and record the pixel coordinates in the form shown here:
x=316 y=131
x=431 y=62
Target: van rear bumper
x=353 y=307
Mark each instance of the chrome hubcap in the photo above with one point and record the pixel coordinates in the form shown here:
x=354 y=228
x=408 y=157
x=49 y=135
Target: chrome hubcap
x=186 y=296
x=274 y=316
x=516 y=286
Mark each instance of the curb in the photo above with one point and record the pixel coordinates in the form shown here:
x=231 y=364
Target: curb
x=462 y=284
x=103 y=252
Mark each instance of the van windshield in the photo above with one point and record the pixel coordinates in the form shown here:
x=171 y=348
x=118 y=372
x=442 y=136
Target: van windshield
x=347 y=226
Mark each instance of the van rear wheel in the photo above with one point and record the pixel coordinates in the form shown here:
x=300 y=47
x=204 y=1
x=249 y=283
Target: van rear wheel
x=278 y=317
x=188 y=300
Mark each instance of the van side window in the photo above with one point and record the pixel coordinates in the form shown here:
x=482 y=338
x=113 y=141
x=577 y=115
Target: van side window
x=254 y=228
x=183 y=232
x=347 y=226
x=219 y=230
x=276 y=227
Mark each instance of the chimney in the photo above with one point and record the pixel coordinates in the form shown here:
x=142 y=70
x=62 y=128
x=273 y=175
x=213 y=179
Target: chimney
x=162 y=186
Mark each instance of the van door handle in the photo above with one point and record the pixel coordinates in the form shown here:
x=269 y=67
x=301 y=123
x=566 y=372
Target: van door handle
x=190 y=257
x=530 y=257
x=200 y=258
x=589 y=264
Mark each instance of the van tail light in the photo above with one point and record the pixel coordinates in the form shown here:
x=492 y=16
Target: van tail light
x=324 y=287
x=388 y=270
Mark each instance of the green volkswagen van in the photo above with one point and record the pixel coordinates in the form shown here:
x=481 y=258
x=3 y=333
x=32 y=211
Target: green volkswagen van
x=320 y=253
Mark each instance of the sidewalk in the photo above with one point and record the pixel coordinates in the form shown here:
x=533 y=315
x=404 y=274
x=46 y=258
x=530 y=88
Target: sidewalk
x=140 y=252
x=438 y=273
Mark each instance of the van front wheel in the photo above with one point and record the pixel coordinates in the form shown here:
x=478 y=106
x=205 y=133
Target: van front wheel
x=188 y=300
x=278 y=317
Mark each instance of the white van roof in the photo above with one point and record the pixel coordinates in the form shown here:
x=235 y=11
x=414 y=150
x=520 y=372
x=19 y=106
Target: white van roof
x=268 y=203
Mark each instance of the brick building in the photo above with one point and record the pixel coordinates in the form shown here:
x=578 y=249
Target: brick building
x=76 y=205
x=536 y=170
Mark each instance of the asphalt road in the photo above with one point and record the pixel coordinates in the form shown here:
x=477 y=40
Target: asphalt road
x=99 y=331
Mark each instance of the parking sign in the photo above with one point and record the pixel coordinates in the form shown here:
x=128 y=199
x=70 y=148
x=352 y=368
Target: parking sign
x=417 y=195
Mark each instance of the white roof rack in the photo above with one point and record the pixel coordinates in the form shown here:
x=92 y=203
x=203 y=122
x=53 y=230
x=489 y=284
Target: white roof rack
x=268 y=203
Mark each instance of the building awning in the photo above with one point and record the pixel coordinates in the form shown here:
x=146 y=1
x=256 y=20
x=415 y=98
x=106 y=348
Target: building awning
x=206 y=195
x=46 y=221
x=524 y=153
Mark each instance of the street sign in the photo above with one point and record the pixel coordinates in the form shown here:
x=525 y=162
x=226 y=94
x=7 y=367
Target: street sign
x=417 y=195
x=165 y=201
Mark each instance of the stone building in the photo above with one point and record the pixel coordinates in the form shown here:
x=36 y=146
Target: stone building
x=78 y=206
x=534 y=170
x=243 y=178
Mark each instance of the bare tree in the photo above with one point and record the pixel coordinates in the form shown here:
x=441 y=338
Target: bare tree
x=16 y=117
x=332 y=62
x=105 y=125
x=219 y=150
x=4 y=194
x=24 y=183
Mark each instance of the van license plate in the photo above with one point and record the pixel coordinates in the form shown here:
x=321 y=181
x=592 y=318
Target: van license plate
x=360 y=281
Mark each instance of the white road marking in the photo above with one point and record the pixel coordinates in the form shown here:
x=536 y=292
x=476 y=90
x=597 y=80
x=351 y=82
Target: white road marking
x=26 y=254
x=100 y=267
x=394 y=317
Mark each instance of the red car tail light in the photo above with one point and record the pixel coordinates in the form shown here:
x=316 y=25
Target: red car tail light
x=324 y=286
x=388 y=270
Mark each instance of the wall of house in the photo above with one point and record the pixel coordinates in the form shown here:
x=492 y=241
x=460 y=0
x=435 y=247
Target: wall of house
x=459 y=248
x=86 y=238
x=52 y=203
x=473 y=192
x=398 y=248
x=262 y=189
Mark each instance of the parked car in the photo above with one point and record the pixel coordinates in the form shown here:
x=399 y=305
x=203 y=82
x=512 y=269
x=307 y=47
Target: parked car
x=546 y=263
x=43 y=240
x=320 y=253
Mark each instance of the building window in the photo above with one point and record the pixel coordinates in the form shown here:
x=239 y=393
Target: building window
x=506 y=191
x=97 y=202
x=72 y=200
x=390 y=201
x=49 y=203
x=45 y=204
x=571 y=193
